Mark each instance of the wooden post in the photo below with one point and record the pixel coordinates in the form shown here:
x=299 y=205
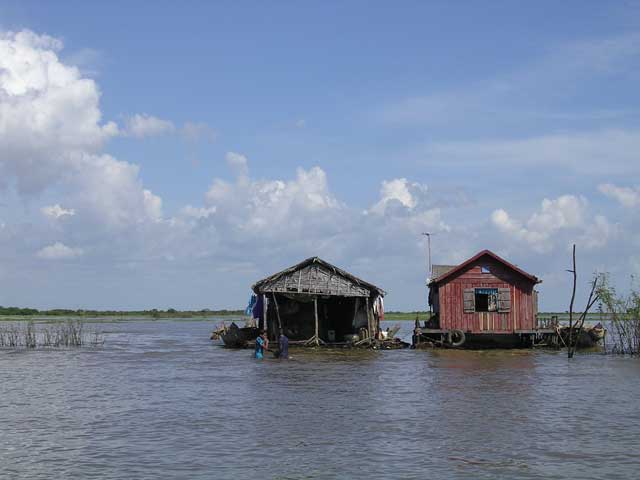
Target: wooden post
x=368 y=318
x=275 y=302
x=355 y=312
x=573 y=296
x=264 y=313
x=315 y=311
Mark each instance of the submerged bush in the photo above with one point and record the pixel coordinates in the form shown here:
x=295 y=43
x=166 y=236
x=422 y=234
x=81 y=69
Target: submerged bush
x=70 y=333
x=624 y=317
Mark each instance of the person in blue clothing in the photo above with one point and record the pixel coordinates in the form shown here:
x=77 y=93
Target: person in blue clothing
x=261 y=344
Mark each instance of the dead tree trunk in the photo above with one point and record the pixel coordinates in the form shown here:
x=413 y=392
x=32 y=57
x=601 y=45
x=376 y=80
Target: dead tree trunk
x=573 y=297
x=574 y=336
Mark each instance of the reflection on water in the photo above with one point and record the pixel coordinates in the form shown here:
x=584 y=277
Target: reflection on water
x=160 y=401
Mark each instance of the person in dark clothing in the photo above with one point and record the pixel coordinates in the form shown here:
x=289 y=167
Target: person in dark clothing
x=283 y=345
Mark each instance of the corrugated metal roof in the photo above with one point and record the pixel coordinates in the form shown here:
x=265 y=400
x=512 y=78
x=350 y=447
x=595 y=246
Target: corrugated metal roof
x=438 y=270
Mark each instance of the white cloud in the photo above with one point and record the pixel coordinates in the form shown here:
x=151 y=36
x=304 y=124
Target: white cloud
x=111 y=192
x=59 y=251
x=565 y=214
x=598 y=233
x=250 y=205
x=198 y=213
x=144 y=125
x=238 y=164
x=396 y=190
x=51 y=136
x=627 y=196
x=56 y=211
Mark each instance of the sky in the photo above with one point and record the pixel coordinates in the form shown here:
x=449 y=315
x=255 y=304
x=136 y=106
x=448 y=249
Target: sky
x=169 y=155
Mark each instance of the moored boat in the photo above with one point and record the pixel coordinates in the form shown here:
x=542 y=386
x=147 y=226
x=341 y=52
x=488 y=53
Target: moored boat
x=590 y=336
x=234 y=336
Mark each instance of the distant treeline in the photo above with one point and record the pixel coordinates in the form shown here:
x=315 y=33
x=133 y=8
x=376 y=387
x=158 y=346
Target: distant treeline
x=154 y=313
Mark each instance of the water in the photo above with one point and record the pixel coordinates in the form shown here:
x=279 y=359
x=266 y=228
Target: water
x=160 y=401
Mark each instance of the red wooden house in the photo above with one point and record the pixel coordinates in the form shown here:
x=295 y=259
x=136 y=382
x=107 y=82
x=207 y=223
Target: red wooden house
x=484 y=300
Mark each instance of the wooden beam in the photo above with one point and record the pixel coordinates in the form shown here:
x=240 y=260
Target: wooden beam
x=315 y=311
x=355 y=312
x=264 y=313
x=369 y=326
x=275 y=302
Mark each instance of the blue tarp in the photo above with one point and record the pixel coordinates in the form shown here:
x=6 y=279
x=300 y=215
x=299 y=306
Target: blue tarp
x=486 y=291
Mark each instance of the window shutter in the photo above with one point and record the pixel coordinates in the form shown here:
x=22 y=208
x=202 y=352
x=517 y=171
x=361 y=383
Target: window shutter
x=504 y=300
x=469 y=297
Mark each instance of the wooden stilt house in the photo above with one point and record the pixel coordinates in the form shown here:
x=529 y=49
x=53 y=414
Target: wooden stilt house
x=485 y=299
x=316 y=303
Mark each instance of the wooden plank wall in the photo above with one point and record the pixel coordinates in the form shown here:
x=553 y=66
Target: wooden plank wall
x=521 y=316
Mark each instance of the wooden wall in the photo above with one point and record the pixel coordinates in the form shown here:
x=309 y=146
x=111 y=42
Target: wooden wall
x=522 y=311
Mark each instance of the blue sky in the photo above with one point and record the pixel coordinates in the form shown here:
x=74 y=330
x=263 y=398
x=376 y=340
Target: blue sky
x=165 y=155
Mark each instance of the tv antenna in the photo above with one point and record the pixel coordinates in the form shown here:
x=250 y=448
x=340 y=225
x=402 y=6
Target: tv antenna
x=428 y=235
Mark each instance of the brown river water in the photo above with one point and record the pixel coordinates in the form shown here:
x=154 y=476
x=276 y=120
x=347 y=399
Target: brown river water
x=159 y=400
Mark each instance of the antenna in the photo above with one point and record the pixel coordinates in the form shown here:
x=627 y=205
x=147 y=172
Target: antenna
x=428 y=235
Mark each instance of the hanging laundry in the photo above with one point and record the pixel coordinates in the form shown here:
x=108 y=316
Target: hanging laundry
x=258 y=310
x=252 y=302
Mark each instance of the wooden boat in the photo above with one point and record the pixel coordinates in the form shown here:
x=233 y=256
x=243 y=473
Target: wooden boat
x=590 y=336
x=234 y=336
x=597 y=332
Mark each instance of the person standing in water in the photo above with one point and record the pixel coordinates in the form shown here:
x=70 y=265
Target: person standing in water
x=261 y=344
x=283 y=345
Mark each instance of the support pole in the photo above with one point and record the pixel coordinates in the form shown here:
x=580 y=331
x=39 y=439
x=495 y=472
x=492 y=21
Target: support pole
x=315 y=311
x=369 y=315
x=275 y=302
x=264 y=313
x=355 y=311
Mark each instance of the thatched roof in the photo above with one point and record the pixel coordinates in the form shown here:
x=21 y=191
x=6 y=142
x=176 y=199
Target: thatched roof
x=316 y=277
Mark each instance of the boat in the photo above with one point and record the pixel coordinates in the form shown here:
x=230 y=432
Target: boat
x=234 y=336
x=597 y=332
x=590 y=336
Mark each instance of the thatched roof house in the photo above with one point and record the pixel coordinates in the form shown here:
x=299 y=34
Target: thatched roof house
x=316 y=302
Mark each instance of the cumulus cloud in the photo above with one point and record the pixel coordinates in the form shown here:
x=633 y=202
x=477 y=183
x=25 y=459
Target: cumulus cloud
x=52 y=135
x=46 y=110
x=59 y=251
x=396 y=190
x=269 y=205
x=567 y=213
x=144 y=125
x=56 y=211
x=238 y=164
x=627 y=196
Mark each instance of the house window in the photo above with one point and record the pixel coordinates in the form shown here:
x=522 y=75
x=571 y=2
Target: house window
x=486 y=299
